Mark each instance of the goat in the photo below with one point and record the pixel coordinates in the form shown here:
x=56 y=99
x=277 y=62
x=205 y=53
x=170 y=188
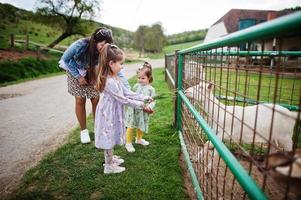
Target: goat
x=240 y=121
x=193 y=70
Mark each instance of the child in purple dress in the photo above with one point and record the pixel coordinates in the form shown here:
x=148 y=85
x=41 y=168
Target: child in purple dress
x=109 y=117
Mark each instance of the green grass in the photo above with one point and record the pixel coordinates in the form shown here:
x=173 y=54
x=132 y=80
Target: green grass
x=288 y=89
x=171 y=48
x=26 y=68
x=38 y=32
x=75 y=171
x=30 y=79
x=51 y=57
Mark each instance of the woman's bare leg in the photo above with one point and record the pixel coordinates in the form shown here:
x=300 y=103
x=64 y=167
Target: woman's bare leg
x=94 y=102
x=80 y=111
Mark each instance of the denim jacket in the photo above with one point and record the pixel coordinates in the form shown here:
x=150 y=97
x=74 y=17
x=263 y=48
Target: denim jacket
x=75 y=59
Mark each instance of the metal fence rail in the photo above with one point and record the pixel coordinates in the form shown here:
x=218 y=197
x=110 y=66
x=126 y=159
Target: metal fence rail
x=238 y=111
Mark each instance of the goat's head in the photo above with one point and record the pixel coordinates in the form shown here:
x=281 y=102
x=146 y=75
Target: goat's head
x=199 y=90
x=193 y=70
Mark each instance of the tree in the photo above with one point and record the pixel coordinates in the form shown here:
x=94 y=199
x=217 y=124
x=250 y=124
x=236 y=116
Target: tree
x=69 y=15
x=140 y=39
x=149 y=38
x=155 y=39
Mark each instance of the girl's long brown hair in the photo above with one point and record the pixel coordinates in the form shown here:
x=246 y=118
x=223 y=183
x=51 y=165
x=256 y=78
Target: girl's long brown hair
x=99 y=35
x=108 y=53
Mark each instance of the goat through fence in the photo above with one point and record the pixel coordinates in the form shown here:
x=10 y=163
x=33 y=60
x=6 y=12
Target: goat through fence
x=238 y=111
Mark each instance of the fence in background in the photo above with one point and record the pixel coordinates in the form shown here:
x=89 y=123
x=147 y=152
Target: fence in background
x=238 y=112
x=17 y=40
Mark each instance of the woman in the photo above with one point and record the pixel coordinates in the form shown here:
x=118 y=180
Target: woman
x=80 y=61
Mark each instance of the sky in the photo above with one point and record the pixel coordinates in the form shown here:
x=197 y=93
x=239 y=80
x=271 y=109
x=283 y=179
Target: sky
x=175 y=16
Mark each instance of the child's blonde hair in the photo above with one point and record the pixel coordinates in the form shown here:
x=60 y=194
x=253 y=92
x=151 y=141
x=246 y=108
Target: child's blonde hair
x=108 y=53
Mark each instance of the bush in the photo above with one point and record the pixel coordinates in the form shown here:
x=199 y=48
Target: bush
x=26 y=68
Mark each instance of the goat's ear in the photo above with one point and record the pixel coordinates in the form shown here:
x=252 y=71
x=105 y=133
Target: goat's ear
x=210 y=85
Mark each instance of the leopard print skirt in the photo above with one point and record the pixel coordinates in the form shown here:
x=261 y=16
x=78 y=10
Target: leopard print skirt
x=77 y=90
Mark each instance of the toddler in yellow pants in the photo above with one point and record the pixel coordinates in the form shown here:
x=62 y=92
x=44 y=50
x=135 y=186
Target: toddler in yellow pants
x=136 y=118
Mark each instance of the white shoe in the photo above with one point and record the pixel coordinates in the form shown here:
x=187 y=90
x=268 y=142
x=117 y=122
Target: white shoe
x=84 y=136
x=112 y=169
x=129 y=147
x=142 y=142
x=116 y=160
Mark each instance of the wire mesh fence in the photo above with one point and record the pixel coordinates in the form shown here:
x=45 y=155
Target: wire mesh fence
x=251 y=101
x=170 y=70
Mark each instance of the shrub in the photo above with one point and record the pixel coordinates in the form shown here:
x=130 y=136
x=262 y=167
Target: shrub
x=26 y=68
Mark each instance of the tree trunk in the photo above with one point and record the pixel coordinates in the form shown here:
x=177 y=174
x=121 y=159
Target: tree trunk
x=62 y=37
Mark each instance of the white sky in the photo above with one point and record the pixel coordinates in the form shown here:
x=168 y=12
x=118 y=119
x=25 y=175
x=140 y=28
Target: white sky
x=176 y=16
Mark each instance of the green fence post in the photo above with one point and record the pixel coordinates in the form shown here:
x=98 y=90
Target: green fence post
x=179 y=100
x=175 y=78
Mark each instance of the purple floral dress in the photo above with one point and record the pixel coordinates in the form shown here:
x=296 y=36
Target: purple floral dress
x=109 y=117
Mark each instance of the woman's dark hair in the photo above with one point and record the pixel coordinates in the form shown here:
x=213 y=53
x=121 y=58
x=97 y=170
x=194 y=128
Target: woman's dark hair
x=99 y=35
x=108 y=53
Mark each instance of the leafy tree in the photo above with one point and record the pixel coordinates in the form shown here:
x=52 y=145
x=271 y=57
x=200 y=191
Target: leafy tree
x=68 y=14
x=155 y=38
x=149 y=38
x=139 y=39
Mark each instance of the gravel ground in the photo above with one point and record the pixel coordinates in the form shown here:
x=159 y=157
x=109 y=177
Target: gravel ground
x=35 y=118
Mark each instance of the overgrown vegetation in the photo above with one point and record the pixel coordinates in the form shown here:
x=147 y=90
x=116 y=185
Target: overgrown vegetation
x=187 y=36
x=68 y=16
x=20 y=22
x=75 y=170
x=44 y=30
x=26 y=68
x=171 y=48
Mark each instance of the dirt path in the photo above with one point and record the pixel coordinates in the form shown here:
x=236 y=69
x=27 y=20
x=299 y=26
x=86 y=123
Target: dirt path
x=35 y=118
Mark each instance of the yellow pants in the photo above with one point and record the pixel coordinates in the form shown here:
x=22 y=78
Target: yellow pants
x=129 y=135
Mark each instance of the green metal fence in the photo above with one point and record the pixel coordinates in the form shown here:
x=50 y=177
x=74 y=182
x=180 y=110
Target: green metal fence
x=238 y=112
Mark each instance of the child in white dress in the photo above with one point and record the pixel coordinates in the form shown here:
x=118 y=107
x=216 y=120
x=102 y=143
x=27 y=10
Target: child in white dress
x=136 y=118
x=109 y=117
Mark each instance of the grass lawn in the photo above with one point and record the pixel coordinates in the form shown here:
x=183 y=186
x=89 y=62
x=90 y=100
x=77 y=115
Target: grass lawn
x=172 y=48
x=75 y=171
x=249 y=85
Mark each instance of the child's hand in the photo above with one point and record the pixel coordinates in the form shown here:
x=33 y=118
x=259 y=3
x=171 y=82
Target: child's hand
x=150 y=99
x=147 y=109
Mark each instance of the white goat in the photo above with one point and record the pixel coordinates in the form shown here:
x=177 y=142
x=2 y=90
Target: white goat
x=193 y=70
x=282 y=121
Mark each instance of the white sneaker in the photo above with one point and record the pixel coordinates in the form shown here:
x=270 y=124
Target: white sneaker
x=116 y=160
x=84 y=136
x=142 y=142
x=112 y=169
x=129 y=147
